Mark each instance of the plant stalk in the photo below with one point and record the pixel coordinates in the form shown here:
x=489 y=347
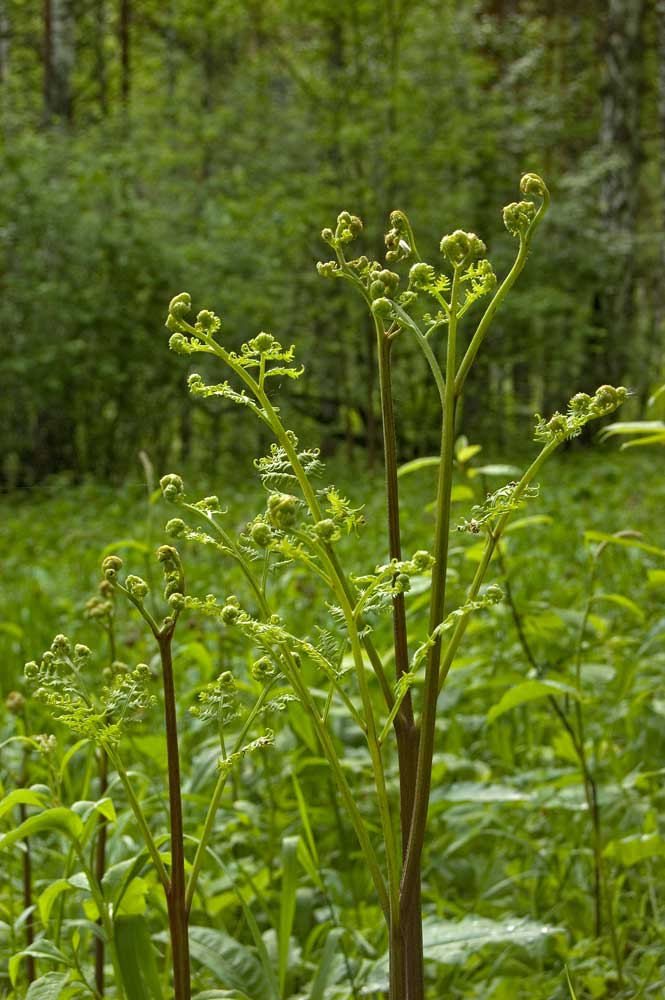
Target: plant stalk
x=409 y=942
x=100 y=867
x=411 y=875
x=176 y=893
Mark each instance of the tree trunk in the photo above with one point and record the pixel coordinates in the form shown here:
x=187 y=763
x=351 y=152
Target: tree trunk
x=124 y=38
x=4 y=41
x=58 y=59
x=660 y=71
x=100 y=56
x=621 y=149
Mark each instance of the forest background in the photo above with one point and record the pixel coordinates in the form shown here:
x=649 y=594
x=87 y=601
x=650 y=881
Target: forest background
x=149 y=146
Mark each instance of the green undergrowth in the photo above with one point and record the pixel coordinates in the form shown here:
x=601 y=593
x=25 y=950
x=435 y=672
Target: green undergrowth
x=509 y=871
x=53 y=537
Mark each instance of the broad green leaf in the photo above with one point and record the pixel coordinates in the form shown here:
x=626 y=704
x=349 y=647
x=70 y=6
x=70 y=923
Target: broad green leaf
x=257 y=937
x=656 y=578
x=133 y=902
x=117 y=877
x=326 y=964
x=22 y=796
x=467 y=452
x=48 y=897
x=461 y=492
x=655 y=437
x=48 y=987
x=528 y=691
x=563 y=747
x=42 y=948
x=450 y=942
x=478 y=791
x=234 y=965
x=496 y=470
x=11 y=629
x=287 y=904
x=648 y=427
x=656 y=395
x=622 y=602
x=531 y=521
x=104 y=807
x=626 y=542
x=136 y=956
x=66 y=757
x=544 y=624
x=638 y=847
x=417 y=464
x=125 y=543
x=60 y=819
x=221 y=995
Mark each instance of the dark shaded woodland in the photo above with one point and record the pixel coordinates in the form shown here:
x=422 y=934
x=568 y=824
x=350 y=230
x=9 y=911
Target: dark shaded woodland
x=150 y=146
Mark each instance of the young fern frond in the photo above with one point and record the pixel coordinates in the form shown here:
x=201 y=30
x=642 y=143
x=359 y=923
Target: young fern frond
x=59 y=684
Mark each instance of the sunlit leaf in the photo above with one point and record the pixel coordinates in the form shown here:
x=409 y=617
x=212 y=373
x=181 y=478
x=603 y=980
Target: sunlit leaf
x=136 y=956
x=631 y=850
x=60 y=819
x=528 y=691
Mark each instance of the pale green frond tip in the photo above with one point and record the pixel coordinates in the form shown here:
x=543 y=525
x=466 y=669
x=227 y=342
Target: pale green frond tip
x=384 y=282
x=263 y=669
x=137 y=587
x=348 y=228
x=61 y=644
x=207 y=322
x=282 y=510
x=230 y=612
x=327 y=530
x=421 y=275
x=328 y=268
x=261 y=534
x=179 y=344
x=399 y=238
x=174 y=577
x=172 y=487
x=175 y=528
x=382 y=307
x=534 y=184
x=111 y=566
x=180 y=305
x=262 y=342
x=462 y=248
x=582 y=408
x=518 y=216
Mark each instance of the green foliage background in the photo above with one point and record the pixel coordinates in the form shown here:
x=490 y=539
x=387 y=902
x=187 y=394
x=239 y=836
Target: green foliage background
x=206 y=147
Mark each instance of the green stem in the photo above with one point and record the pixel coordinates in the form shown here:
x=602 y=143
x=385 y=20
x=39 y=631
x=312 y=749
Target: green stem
x=411 y=875
x=492 y=541
x=176 y=895
x=359 y=826
x=423 y=344
x=209 y=823
x=139 y=816
x=499 y=296
x=406 y=949
x=230 y=545
x=100 y=865
x=107 y=924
